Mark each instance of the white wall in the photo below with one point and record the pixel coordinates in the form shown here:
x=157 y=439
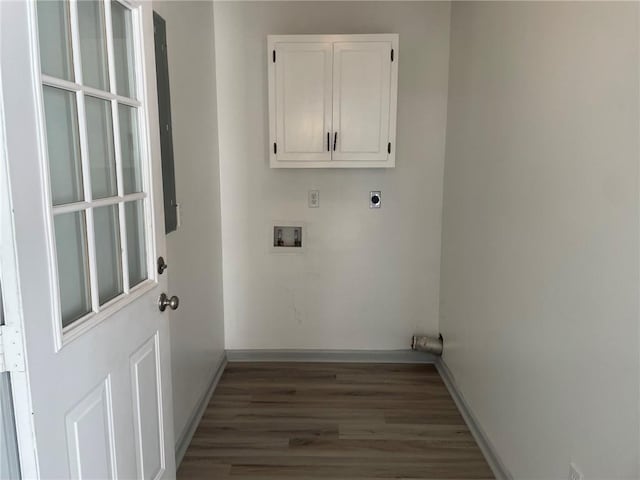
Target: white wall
x=539 y=304
x=369 y=278
x=194 y=253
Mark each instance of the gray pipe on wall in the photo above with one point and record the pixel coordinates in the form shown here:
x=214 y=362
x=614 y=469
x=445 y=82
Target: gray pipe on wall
x=424 y=343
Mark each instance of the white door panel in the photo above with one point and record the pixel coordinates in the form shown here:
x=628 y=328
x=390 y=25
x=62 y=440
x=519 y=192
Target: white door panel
x=90 y=435
x=147 y=409
x=84 y=403
x=361 y=100
x=303 y=101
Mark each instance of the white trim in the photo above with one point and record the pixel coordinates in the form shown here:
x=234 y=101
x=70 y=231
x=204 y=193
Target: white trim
x=102 y=202
x=85 y=163
x=330 y=38
x=80 y=326
x=126 y=3
x=144 y=126
x=333 y=163
x=74 y=30
x=122 y=220
x=333 y=356
x=159 y=389
x=12 y=301
x=488 y=449
x=185 y=437
x=94 y=92
x=111 y=67
x=393 y=102
x=43 y=164
x=117 y=150
x=93 y=263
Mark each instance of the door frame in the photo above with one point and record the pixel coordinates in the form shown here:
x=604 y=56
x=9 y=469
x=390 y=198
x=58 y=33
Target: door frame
x=14 y=317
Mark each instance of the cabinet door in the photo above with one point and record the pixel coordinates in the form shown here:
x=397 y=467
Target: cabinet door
x=361 y=100
x=303 y=102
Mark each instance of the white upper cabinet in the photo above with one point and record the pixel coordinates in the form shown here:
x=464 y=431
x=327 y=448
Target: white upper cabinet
x=361 y=106
x=332 y=100
x=303 y=101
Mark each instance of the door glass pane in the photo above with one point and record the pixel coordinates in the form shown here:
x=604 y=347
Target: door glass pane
x=73 y=270
x=123 y=49
x=130 y=149
x=136 y=242
x=55 y=38
x=108 y=259
x=63 y=145
x=101 y=150
x=93 y=47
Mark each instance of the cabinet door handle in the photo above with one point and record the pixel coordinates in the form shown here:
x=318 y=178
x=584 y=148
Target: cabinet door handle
x=328 y=142
x=335 y=140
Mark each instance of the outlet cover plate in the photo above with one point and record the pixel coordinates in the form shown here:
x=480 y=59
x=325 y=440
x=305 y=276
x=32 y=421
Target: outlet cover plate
x=375 y=199
x=314 y=198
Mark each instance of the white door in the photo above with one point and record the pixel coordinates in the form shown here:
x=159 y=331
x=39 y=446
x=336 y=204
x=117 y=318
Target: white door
x=303 y=102
x=361 y=100
x=80 y=111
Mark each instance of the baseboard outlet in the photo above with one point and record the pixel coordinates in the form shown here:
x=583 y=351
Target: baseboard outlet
x=184 y=439
x=488 y=450
x=346 y=356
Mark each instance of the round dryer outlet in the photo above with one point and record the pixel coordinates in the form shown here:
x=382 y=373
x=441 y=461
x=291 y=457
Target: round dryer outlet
x=375 y=199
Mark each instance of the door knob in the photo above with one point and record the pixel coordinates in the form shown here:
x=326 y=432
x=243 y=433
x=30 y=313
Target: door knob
x=164 y=302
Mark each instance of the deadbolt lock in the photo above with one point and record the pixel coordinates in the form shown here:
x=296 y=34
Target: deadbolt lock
x=161 y=265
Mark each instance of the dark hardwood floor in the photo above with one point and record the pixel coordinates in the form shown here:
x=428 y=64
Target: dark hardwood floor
x=330 y=420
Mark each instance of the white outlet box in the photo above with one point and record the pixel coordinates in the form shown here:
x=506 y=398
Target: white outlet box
x=375 y=199
x=314 y=198
x=574 y=473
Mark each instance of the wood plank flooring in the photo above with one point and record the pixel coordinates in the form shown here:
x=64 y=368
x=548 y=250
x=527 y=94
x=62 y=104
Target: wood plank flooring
x=333 y=421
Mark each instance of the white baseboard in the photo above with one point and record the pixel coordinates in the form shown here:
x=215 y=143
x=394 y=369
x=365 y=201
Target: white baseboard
x=183 y=441
x=355 y=356
x=488 y=450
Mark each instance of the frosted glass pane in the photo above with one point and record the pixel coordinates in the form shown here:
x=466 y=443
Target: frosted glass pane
x=123 y=49
x=136 y=243
x=55 y=38
x=101 y=150
x=73 y=270
x=108 y=259
x=63 y=145
x=130 y=149
x=93 y=47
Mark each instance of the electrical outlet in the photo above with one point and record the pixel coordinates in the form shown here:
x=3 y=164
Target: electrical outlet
x=314 y=198
x=375 y=199
x=574 y=473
